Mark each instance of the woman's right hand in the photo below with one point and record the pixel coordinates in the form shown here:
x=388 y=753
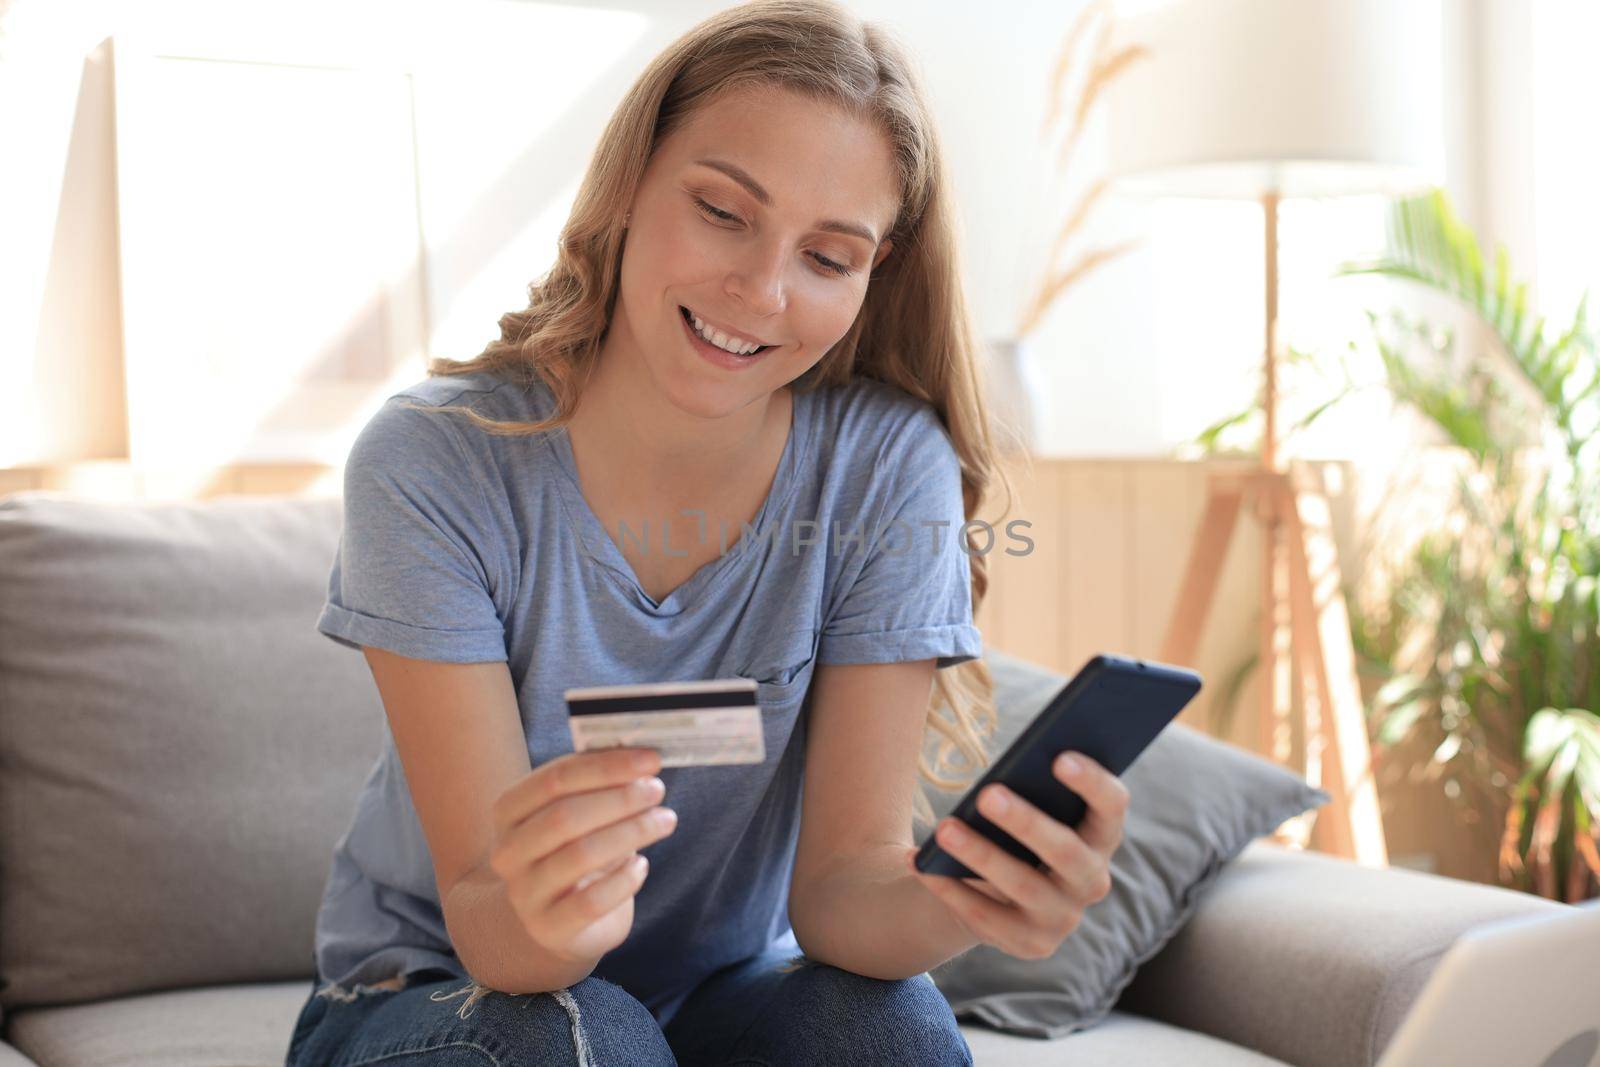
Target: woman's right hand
x=566 y=837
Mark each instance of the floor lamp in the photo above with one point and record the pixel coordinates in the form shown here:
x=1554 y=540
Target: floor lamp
x=1262 y=100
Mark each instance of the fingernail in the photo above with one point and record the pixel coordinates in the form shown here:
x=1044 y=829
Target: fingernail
x=1071 y=764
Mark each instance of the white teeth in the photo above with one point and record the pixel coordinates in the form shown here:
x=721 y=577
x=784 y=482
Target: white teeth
x=720 y=339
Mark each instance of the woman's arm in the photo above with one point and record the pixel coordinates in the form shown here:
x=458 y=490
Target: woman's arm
x=852 y=901
x=458 y=733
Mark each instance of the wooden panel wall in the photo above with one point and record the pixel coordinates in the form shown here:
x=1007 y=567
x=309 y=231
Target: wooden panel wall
x=1111 y=538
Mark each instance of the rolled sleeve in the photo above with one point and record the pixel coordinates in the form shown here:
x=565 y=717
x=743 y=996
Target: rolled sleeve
x=417 y=566
x=949 y=645
x=912 y=598
x=355 y=630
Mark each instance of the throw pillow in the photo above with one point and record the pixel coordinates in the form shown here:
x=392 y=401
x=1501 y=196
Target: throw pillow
x=1194 y=804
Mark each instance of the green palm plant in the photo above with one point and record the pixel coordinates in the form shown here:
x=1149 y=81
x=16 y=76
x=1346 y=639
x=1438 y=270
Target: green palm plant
x=1505 y=603
x=1489 y=632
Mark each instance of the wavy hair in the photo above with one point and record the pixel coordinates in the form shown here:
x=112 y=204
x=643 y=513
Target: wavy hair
x=913 y=330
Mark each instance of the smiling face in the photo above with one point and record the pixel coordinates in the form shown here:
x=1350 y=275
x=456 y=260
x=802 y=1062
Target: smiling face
x=775 y=257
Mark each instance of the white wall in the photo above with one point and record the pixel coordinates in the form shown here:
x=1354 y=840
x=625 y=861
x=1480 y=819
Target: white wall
x=1566 y=160
x=511 y=96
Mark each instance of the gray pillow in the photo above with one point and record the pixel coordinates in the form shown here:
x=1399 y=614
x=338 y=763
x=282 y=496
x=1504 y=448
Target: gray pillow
x=179 y=748
x=1194 y=804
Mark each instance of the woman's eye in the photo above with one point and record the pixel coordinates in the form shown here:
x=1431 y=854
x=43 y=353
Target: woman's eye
x=723 y=216
x=707 y=208
x=837 y=268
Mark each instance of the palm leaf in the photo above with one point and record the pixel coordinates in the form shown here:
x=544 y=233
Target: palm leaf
x=1207 y=438
x=1431 y=246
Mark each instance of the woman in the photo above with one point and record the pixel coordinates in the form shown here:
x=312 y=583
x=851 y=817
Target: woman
x=707 y=354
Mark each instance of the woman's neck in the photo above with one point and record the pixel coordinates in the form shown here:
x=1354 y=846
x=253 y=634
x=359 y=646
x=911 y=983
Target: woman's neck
x=626 y=430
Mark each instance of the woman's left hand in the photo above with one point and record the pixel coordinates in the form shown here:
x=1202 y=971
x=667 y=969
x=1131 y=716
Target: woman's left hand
x=1024 y=911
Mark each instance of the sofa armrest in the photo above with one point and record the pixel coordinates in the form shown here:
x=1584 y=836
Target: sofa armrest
x=1309 y=958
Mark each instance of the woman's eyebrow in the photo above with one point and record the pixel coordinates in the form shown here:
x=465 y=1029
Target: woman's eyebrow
x=740 y=175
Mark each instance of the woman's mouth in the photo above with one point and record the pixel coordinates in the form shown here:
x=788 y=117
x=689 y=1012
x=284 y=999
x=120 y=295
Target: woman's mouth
x=720 y=356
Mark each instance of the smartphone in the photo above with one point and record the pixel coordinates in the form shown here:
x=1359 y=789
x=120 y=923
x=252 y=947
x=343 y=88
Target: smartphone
x=1110 y=711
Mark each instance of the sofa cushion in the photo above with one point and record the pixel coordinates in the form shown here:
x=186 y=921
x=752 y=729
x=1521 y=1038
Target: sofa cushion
x=1194 y=804
x=1118 y=1040
x=237 y=1025
x=179 y=747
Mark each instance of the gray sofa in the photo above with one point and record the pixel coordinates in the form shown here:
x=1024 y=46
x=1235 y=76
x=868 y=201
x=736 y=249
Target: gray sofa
x=179 y=752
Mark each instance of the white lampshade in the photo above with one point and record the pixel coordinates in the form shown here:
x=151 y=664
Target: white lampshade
x=1300 y=97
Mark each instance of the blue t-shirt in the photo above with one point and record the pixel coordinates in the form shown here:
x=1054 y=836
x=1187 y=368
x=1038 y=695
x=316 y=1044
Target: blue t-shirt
x=463 y=546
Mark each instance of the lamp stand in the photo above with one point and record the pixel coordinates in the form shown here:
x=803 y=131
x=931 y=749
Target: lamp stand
x=1303 y=622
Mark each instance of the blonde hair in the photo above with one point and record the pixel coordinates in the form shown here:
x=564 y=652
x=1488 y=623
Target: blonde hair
x=913 y=330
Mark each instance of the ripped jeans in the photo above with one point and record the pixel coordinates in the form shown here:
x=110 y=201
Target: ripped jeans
x=772 y=1010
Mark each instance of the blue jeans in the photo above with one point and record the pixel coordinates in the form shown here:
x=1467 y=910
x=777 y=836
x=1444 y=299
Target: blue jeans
x=763 y=1012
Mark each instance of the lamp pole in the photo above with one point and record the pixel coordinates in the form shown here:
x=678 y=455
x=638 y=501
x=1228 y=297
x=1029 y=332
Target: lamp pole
x=1275 y=632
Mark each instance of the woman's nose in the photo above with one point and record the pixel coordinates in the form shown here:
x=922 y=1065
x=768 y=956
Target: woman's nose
x=758 y=280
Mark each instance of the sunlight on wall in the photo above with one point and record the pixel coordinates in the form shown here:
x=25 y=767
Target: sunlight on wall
x=1208 y=294
x=269 y=251
x=39 y=133
x=1566 y=94
x=1323 y=315
x=469 y=313
x=375 y=232
x=508 y=121
x=1209 y=285
x=486 y=101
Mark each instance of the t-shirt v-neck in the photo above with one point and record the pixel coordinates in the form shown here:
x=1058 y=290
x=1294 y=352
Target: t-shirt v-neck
x=600 y=548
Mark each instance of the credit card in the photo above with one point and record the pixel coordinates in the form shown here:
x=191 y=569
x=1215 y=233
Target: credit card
x=689 y=723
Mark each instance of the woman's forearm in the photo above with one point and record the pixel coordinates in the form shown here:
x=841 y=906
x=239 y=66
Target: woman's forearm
x=492 y=945
x=873 y=917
